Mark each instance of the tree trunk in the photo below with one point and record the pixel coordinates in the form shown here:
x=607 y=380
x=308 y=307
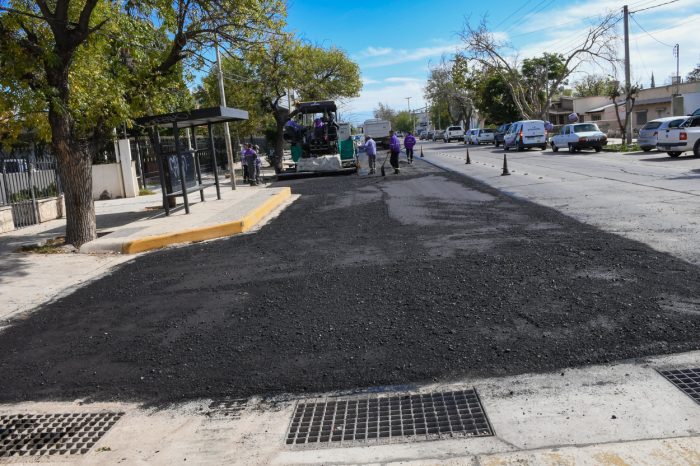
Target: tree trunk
x=73 y=160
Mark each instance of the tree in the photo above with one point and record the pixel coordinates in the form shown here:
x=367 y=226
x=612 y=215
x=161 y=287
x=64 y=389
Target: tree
x=593 y=85
x=403 y=121
x=384 y=112
x=614 y=92
x=492 y=98
x=282 y=64
x=694 y=76
x=533 y=82
x=89 y=65
x=445 y=90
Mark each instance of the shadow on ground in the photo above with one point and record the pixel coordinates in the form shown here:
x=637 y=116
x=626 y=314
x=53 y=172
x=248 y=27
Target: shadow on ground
x=364 y=281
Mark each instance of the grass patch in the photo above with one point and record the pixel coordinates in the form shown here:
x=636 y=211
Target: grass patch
x=145 y=192
x=621 y=148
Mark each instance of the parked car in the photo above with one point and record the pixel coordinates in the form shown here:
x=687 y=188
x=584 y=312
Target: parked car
x=470 y=136
x=438 y=134
x=485 y=136
x=399 y=134
x=675 y=141
x=430 y=135
x=579 y=136
x=500 y=132
x=421 y=134
x=649 y=134
x=525 y=134
x=454 y=133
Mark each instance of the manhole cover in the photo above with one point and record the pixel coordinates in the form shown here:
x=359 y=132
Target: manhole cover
x=390 y=418
x=52 y=434
x=688 y=380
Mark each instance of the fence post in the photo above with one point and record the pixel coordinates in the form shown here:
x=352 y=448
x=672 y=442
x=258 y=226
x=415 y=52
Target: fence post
x=30 y=176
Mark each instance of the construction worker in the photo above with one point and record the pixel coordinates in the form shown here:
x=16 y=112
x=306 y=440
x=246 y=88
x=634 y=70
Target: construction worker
x=371 y=150
x=250 y=156
x=408 y=142
x=395 y=150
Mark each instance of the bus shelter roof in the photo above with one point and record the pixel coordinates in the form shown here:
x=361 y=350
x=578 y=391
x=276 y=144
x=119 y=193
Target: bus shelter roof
x=196 y=117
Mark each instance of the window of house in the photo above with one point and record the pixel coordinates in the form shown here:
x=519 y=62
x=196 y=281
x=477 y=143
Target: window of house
x=660 y=112
x=595 y=118
x=641 y=117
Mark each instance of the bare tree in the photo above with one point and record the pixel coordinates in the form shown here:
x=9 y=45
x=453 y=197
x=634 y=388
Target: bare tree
x=614 y=92
x=442 y=86
x=533 y=87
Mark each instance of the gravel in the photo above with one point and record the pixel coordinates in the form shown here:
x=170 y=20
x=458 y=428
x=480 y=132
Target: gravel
x=363 y=282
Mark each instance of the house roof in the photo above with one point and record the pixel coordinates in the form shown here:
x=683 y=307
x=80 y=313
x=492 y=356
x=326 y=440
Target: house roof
x=658 y=100
x=600 y=109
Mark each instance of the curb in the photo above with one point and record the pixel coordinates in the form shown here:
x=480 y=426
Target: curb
x=208 y=232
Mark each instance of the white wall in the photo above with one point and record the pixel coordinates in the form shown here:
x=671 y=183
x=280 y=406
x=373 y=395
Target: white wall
x=691 y=102
x=107 y=177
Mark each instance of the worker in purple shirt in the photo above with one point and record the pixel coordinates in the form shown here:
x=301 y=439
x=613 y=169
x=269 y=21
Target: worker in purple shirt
x=371 y=150
x=395 y=150
x=250 y=156
x=408 y=142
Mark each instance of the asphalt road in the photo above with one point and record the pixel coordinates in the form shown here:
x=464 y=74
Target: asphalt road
x=645 y=196
x=364 y=281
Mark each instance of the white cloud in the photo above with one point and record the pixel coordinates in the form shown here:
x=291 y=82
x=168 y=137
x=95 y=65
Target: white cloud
x=400 y=79
x=366 y=81
x=396 y=57
x=394 y=95
x=375 y=51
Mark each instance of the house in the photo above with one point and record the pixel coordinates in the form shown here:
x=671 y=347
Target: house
x=652 y=103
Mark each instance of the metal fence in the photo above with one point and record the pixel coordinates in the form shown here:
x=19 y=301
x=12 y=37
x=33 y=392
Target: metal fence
x=27 y=176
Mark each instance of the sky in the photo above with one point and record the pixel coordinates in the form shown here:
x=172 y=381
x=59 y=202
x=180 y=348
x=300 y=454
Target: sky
x=397 y=42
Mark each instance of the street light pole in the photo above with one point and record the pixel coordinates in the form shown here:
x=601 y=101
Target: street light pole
x=227 y=135
x=628 y=85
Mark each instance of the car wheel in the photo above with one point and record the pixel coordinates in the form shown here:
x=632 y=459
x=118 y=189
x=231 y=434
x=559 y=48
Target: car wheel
x=543 y=147
x=674 y=154
x=572 y=149
x=505 y=147
x=598 y=148
x=497 y=143
x=696 y=148
x=554 y=147
x=647 y=148
x=519 y=148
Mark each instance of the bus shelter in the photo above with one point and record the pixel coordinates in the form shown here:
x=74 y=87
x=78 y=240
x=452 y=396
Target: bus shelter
x=179 y=164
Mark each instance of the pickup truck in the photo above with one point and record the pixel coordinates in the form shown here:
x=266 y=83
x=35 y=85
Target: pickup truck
x=675 y=141
x=454 y=133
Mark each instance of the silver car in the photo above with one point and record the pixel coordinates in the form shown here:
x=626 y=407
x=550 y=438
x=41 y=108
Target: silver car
x=648 y=135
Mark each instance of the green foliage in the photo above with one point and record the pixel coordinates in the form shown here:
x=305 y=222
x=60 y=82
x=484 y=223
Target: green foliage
x=493 y=98
x=145 y=192
x=694 y=75
x=403 y=122
x=593 y=85
x=26 y=194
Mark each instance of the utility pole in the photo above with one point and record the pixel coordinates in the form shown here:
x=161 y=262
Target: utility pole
x=227 y=135
x=410 y=114
x=677 y=53
x=628 y=85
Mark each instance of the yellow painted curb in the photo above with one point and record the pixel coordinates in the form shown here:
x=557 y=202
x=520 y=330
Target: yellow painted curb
x=219 y=230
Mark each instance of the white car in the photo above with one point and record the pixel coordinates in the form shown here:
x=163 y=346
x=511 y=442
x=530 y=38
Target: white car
x=649 y=134
x=485 y=136
x=579 y=136
x=470 y=136
x=455 y=133
x=525 y=134
x=675 y=141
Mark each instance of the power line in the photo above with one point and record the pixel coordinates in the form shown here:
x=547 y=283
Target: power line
x=648 y=33
x=654 y=6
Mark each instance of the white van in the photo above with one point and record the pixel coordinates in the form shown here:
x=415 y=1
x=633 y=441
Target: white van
x=525 y=134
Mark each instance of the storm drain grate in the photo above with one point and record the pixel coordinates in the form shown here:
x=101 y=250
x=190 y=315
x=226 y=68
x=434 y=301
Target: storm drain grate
x=52 y=434
x=229 y=407
x=402 y=417
x=688 y=380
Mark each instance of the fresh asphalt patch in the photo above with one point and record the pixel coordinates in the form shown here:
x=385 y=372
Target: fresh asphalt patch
x=364 y=281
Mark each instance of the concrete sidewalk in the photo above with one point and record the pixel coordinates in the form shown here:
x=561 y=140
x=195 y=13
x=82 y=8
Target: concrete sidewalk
x=134 y=225
x=615 y=414
x=237 y=212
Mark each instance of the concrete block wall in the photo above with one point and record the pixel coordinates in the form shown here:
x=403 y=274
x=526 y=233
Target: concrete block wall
x=7 y=222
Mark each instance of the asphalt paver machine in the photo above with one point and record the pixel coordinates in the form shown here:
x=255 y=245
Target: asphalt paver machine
x=320 y=145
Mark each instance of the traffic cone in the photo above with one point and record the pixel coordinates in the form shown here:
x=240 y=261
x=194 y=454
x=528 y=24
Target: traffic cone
x=505 y=166
x=469 y=161
x=421 y=150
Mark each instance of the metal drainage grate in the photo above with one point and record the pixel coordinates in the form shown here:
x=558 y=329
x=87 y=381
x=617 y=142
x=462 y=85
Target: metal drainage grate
x=229 y=407
x=688 y=380
x=52 y=434
x=420 y=417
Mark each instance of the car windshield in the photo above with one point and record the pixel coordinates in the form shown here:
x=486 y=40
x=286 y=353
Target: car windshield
x=586 y=127
x=652 y=125
x=488 y=131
